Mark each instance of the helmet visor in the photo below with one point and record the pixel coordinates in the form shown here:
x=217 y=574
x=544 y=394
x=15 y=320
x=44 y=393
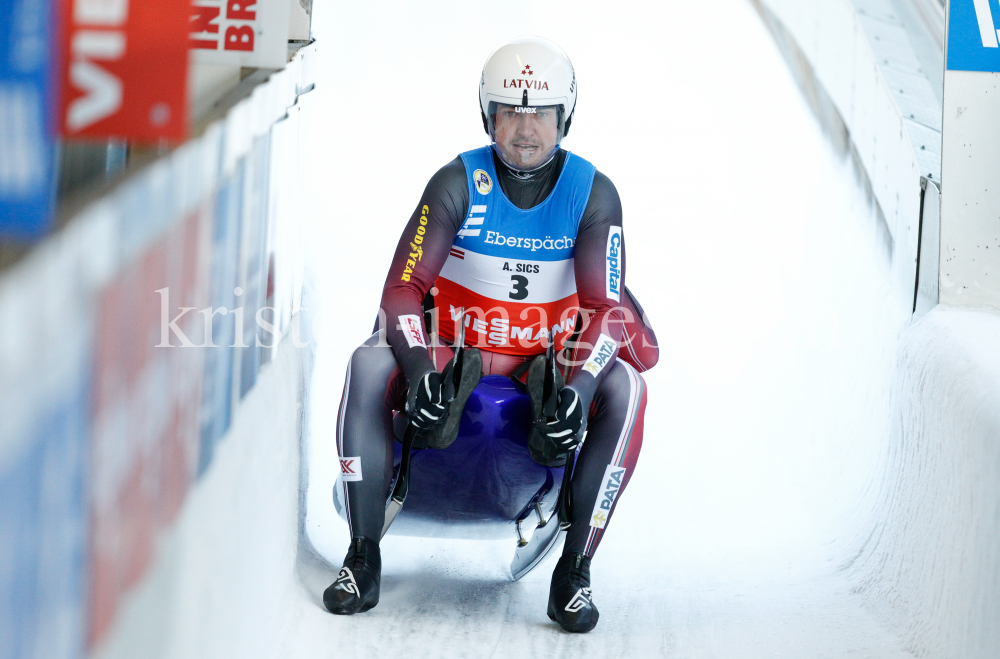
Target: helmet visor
x=525 y=137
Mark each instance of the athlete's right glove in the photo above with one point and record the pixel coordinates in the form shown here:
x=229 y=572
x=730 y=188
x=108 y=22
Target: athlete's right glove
x=425 y=404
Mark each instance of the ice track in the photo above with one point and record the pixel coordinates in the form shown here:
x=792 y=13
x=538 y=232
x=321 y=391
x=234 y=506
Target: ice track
x=758 y=260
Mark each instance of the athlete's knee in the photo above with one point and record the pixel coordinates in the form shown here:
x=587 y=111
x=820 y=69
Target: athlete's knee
x=370 y=357
x=622 y=385
x=643 y=353
x=640 y=349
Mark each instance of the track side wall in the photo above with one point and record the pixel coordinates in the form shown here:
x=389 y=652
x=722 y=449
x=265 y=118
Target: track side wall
x=924 y=548
x=153 y=356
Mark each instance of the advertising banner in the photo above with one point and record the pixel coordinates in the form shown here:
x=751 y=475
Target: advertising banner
x=253 y=261
x=217 y=398
x=973 y=43
x=240 y=32
x=124 y=69
x=26 y=145
x=42 y=547
x=146 y=407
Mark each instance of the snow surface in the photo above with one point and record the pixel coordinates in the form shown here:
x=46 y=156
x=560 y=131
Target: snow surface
x=762 y=268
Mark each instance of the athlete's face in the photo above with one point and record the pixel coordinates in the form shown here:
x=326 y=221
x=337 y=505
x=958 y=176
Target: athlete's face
x=526 y=137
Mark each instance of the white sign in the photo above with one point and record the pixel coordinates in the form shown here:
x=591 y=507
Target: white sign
x=240 y=32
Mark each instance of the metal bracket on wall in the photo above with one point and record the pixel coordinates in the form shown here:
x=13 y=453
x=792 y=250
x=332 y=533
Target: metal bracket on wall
x=925 y=286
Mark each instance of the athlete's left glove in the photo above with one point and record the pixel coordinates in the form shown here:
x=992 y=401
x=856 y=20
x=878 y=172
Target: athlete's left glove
x=564 y=430
x=425 y=404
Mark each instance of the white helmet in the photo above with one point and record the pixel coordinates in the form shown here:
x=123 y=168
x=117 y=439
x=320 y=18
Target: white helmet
x=528 y=72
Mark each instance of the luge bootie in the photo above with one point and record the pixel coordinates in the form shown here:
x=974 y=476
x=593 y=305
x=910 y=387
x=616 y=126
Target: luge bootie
x=570 y=602
x=357 y=584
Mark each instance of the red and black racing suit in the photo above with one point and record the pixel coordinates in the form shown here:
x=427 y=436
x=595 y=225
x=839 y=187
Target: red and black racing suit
x=376 y=382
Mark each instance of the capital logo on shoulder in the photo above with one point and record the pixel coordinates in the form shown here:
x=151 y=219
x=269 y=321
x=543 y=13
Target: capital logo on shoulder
x=601 y=355
x=350 y=469
x=613 y=274
x=483 y=181
x=409 y=324
x=612 y=483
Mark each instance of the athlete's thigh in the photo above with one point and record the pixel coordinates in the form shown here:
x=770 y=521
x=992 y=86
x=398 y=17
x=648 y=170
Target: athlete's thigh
x=615 y=420
x=373 y=376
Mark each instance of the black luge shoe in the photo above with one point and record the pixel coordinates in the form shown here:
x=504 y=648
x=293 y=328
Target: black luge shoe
x=356 y=587
x=570 y=603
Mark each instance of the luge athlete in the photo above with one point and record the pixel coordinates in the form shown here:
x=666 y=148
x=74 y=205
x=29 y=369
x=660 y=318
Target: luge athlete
x=527 y=239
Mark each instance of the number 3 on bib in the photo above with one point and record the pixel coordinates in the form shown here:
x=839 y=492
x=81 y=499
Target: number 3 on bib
x=520 y=287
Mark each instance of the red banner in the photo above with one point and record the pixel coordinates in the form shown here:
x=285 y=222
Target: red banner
x=147 y=406
x=124 y=71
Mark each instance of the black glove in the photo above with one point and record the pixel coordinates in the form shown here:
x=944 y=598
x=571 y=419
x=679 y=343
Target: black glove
x=425 y=406
x=565 y=428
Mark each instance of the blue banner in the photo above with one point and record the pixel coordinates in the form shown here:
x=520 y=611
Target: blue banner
x=43 y=544
x=27 y=194
x=973 y=39
x=217 y=395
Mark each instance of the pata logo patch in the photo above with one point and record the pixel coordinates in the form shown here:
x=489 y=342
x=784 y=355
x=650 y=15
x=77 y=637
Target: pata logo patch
x=613 y=477
x=603 y=351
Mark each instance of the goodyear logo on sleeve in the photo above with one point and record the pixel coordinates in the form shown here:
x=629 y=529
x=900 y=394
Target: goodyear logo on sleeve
x=416 y=251
x=613 y=477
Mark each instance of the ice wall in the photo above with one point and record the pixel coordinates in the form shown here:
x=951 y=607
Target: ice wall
x=223 y=580
x=139 y=347
x=926 y=556
x=931 y=566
